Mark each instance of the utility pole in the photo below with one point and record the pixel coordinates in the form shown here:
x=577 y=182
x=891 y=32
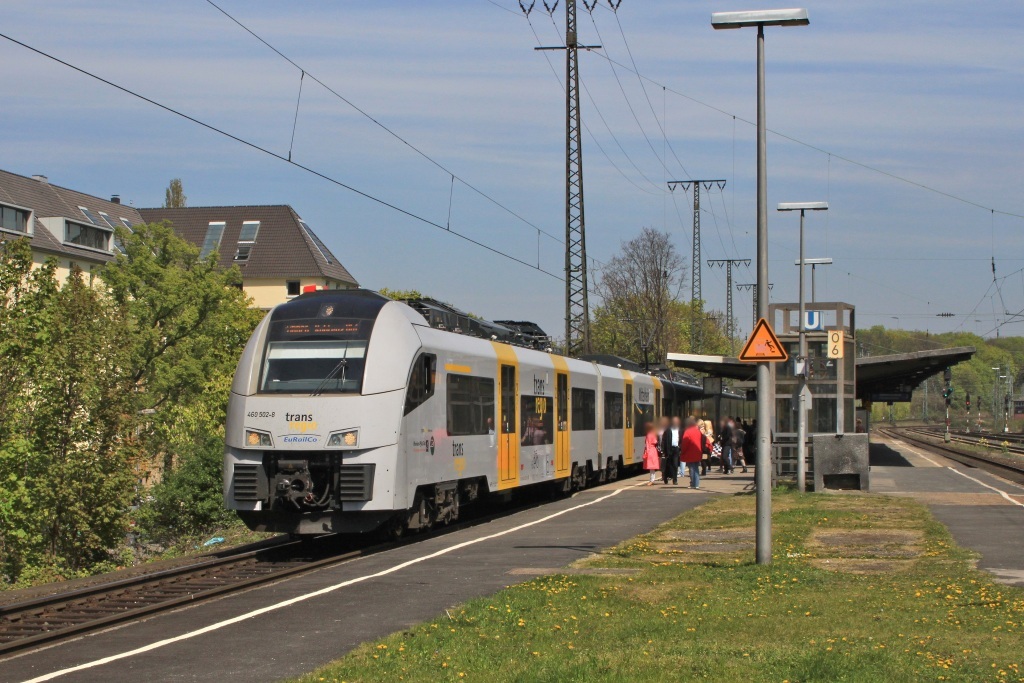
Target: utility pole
x=730 y=324
x=577 y=307
x=925 y=412
x=695 y=294
x=753 y=288
x=947 y=393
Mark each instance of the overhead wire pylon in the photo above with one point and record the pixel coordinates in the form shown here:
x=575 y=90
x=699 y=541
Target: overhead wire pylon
x=696 y=298
x=577 y=305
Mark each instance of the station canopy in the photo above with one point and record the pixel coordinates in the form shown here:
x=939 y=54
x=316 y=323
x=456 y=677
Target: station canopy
x=879 y=378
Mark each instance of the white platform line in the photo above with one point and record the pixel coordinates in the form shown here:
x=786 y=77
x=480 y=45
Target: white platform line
x=323 y=591
x=1002 y=493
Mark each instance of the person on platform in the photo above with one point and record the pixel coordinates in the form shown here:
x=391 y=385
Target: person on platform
x=652 y=458
x=691 y=452
x=671 y=441
x=708 y=433
x=725 y=440
x=739 y=439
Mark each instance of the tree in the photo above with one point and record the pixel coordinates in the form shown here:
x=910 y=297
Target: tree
x=174 y=196
x=187 y=323
x=67 y=447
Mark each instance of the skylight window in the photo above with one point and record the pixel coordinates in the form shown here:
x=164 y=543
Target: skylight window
x=89 y=215
x=212 y=241
x=127 y=224
x=243 y=252
x=249 y=231
x=112 y=222
x=321 y=247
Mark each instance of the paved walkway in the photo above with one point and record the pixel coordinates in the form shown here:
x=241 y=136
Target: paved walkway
x=983 y=512
x=294 y=626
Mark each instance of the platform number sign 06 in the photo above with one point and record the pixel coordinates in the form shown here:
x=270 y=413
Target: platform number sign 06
x=835 y=344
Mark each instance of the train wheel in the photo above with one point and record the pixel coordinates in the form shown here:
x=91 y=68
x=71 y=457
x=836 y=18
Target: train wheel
x=394 y=529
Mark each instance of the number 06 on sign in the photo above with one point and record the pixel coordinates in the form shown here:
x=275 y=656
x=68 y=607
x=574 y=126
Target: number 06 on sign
x=835 y=344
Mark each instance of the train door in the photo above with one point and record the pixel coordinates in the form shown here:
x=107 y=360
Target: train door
x=628 y=415
x=508 y=441
x=561 y=425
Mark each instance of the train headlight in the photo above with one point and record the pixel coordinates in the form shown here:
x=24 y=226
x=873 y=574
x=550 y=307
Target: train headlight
x=346 y=439
x=254 y=439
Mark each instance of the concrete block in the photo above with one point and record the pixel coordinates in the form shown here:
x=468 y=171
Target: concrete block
x=840 y=461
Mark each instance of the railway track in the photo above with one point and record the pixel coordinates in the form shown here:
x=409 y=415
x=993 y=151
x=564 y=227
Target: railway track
x=52 y=618
x=56 y=617
x=1004 y=465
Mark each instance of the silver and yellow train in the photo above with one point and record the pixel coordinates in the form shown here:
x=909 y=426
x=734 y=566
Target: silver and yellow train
x=350 y=412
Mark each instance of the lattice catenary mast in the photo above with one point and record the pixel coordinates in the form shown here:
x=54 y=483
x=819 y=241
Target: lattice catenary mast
x=577 y=308
x=730 y=323
x=695 y=294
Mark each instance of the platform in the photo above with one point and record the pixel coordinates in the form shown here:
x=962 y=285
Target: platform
x=983 y=512
x=294 y=626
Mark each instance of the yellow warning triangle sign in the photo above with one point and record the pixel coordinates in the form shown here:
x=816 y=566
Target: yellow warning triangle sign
x=763 y=345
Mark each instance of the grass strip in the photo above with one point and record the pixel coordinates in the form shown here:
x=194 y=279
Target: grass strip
x=862 y=588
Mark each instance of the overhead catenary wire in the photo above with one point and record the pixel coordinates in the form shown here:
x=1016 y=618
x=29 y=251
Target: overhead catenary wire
x=821 y=150
x=276 y=155
x=381 y=125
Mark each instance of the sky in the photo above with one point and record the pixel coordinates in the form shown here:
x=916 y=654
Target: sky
x=918 y=89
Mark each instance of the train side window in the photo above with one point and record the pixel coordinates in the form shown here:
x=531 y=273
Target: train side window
x=644 y=414
x=537 y=420
x=612 y=410
x=584 y=410
x=657 y=403
x=470 y=405
x=421 y=382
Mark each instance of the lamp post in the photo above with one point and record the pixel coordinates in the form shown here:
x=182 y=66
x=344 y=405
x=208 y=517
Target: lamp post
x=801 y=401
x=814 y=263
x=760 y=19
x=897 y=319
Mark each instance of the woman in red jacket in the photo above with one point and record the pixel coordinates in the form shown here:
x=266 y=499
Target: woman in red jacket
x=652 y=459
x=691 y=451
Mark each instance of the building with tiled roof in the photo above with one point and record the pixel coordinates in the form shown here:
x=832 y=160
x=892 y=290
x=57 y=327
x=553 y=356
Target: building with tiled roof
x=278 y=253
x=74 y=228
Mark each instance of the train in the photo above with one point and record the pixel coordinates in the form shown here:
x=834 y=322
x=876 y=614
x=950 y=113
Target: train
x=351 y=412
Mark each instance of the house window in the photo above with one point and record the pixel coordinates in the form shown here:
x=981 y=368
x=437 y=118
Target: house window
x=15 y=220
x=249 y=231
x=87 y=236
x=293 y=287
x=212 y=241
x=243 y=252
x=89 y=215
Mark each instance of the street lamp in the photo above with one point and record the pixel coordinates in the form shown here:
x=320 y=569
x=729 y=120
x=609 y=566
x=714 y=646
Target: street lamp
x=814 y=263
x=760 y=19
x=897 y=319
x=801 y=415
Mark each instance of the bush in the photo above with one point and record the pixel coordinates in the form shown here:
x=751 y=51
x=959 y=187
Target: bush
x=188 y=501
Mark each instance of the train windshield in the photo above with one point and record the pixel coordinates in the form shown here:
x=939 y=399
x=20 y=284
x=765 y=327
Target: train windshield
x=314 y=367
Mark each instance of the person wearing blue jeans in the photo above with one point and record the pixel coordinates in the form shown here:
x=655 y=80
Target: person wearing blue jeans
x=691 y=451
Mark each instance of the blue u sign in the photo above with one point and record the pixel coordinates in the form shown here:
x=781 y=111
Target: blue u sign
x=813 y=320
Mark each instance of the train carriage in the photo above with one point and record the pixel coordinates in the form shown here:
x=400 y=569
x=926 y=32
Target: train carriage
x=350 y=411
